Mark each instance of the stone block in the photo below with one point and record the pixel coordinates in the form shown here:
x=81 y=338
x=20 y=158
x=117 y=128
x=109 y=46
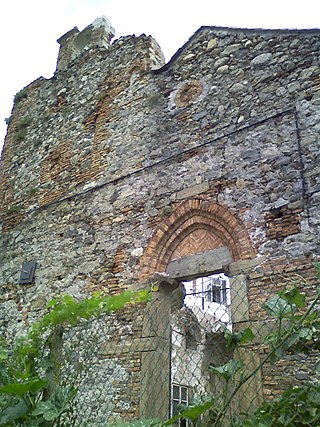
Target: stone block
x=192 y=191
x=212 y=261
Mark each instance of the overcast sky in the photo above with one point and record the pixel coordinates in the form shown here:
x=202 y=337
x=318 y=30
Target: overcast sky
x=29 y=29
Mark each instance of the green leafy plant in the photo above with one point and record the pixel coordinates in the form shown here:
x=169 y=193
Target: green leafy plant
x=20 y=134
x=14 y=209
x=194 y=411
x=24 y=122
x=297 y=406
x=31 y=191
x=293 y=329
x=21 y=128
x=22 y=94
x=8 y=120
x=30 y=390
x=227 y=371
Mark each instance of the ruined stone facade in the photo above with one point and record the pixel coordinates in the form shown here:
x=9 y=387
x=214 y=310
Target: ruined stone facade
x=121 y=166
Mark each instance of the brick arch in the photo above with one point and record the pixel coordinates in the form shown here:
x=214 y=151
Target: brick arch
x=178 y=233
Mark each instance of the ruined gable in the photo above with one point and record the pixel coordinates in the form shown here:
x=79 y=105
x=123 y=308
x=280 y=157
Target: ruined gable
x=120 y=167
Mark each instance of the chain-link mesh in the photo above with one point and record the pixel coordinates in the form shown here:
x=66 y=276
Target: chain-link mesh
x=147 y=360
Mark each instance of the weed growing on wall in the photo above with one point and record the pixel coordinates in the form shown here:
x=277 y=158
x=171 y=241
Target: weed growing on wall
x=22 y=94
x=8 y=120
x=22 y=127
x=31 y=393
x=14 y=209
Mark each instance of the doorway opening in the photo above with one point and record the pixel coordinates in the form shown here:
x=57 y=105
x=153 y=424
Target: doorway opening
x=197 y=337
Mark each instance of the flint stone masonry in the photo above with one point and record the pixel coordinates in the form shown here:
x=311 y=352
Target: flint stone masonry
x=120 y=160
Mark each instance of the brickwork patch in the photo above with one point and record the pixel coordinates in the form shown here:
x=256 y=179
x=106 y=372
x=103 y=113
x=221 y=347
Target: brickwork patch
x=188 y=93
x=282 y=222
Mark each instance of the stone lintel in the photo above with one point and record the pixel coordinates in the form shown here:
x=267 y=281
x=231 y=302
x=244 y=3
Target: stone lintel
x=213 y=261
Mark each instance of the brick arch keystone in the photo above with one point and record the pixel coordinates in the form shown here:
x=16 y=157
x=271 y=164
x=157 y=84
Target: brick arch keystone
x=190 y=218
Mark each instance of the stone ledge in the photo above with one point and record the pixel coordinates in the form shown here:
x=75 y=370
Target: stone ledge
x=135 y=345
x=191 y=191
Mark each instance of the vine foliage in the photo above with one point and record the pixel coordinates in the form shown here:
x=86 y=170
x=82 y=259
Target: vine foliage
x=30 y=389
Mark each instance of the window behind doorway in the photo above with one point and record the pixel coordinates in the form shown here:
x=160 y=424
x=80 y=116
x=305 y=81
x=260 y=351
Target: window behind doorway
x=180 y=397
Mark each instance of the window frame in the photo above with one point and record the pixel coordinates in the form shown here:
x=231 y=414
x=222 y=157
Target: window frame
x=182 y=422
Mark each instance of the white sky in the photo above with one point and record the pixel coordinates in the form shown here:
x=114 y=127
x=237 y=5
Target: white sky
x=29 y=29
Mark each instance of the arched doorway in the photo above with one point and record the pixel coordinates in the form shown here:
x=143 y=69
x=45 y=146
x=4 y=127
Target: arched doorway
x=198 y=241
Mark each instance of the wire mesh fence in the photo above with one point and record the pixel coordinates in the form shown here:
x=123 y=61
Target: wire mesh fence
x=206 y=338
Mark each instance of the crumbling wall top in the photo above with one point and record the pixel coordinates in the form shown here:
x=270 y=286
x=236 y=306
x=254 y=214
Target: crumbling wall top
x=74 y=42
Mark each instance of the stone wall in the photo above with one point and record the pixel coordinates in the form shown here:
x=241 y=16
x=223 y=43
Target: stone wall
x=119 y=161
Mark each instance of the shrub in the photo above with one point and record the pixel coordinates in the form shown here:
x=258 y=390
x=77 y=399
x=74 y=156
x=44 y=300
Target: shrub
x=14 y=209
x=22 y=94
x=21 y=128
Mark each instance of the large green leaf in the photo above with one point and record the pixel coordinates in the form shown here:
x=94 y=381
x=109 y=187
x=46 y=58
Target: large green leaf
x=293 y=296
x=228 y=370
x=119 y=301
x=19 y=389
x=241 y=337
x=297 y=406
x=69 y=311
x=57 y=403
x=279 y=307
x=13 y=412
x=3 y=354
x=191 y=412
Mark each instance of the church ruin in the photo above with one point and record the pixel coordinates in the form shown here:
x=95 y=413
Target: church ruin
x=122 y=170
